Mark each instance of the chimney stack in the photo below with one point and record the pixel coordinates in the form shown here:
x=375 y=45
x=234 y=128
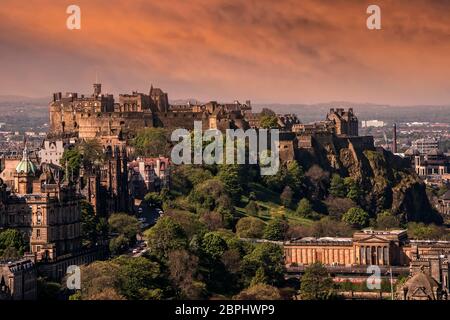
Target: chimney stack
x=394 y=141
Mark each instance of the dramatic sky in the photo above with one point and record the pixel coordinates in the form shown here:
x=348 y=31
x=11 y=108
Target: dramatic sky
x=287 y=51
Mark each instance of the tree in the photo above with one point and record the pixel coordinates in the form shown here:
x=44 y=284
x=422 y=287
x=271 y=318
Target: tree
x=165 y=236
x=251 y=208
x=97 y=278
x=286 y=197
x=12 y=242
x=336 y=207
x=316 y=284
x=337 y=187
x=295 y=177
x=183 y=268
x=124 y=224
x=154 y=199
x=422 y=231
x=118 y=244
x=92 y=226
x=304 y=208
x=135 y=274
x=327 y=227
x=213 y=245
x=230 y=175
x=91 y=151
x=268 y=122
x=259 y=291
x=386 y=220
x=354 y=191
x=269 y=257
x=71 y=159
x=356 y=217
x=151 y=142
x=276 y=229
x=250 y=227
x=119 y=279
x=209 y=195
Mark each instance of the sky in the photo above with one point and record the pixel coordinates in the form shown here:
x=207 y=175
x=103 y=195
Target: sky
x=283 y=51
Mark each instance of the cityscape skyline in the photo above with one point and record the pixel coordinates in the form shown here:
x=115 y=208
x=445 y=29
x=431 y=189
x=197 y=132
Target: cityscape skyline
x=300 y=52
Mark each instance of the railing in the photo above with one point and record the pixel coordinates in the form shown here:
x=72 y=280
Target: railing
x=356 y=269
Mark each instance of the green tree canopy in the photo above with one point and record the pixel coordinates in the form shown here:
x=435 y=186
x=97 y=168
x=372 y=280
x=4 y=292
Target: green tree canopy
x=124 y=224
x=252 y=208
x=295 y=177
x=356 y=217
x=12 y=239
x=154 y=199
x=286 y=197
x=151 y=142
x=214 y=245
x=268 y=257
x=316 y=284
x=259 y=291
x=165 y=236
x=268 y=122
x=386 y=220
x=354 y=191
x=71 y=159
x=276 y=229
x=337 y=187
x=231 y=177
x=250 y=227
x=304 y=208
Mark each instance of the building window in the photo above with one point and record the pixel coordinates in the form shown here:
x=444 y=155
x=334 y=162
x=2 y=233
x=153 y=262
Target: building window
x=38 y=233
x=39 y=218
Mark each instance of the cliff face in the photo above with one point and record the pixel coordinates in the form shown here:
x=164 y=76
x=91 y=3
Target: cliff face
x=388 y=181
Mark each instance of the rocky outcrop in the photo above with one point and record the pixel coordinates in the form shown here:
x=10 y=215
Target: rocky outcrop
x=388 y=181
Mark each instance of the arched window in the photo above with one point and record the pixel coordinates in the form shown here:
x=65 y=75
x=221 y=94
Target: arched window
x=39 y=217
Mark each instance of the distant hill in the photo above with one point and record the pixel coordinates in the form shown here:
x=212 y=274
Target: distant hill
x=22 y=99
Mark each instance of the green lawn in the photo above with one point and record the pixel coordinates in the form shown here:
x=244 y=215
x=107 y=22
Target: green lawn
x=270 y=207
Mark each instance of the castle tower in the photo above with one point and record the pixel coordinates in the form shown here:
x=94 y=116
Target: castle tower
x=97 y=89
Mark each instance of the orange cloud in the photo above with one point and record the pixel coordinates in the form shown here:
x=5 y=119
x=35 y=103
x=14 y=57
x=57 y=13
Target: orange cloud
x=278 y=51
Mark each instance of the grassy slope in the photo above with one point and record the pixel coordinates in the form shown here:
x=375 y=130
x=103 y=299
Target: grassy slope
x=270 y=207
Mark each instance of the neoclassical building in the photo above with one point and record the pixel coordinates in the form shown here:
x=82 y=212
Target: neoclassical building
x=366 y=247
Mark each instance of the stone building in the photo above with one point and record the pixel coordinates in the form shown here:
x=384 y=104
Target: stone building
x=44 y=207
x=431 y=164
x=345 y=122
x=444 y=204
x=148 y=175
x=18 y=280
x=105 y=184
x=98 y=116
x=367 y=247
x=429 y=274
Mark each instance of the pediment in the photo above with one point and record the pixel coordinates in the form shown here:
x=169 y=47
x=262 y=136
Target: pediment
x=373 y=239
